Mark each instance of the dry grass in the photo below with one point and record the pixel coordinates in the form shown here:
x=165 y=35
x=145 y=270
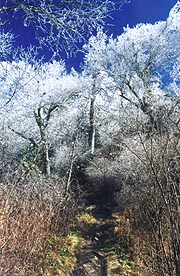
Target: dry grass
x=121 y=258
x=31 y=214
x=61 y=258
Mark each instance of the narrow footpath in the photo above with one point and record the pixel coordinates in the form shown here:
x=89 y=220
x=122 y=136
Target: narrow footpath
x=92 y=255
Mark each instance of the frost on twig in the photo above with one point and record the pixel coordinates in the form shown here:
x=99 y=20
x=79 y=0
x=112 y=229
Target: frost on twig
x=61 y=24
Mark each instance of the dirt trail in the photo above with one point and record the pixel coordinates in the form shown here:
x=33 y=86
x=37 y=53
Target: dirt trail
x=92 y=254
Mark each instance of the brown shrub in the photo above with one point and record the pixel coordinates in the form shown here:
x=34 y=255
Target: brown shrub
x=31 y=213
x=149 y=198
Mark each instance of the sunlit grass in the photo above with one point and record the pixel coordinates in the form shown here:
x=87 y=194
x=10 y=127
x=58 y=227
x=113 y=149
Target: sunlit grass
x=30 y=227
x=61 y=257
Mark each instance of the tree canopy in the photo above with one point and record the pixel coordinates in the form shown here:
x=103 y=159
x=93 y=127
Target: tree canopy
x=59 y=24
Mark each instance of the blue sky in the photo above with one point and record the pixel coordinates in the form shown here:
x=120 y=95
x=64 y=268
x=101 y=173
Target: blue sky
x=141 y=11
x=138 y=11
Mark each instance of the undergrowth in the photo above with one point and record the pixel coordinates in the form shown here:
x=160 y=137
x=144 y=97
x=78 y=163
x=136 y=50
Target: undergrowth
x=32 y=214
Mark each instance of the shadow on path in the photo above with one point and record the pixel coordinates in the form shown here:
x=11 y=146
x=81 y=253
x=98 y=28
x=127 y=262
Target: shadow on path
x=91 y=256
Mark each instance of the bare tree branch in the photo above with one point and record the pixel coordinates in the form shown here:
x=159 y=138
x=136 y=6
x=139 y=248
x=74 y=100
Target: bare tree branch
x=62 y=24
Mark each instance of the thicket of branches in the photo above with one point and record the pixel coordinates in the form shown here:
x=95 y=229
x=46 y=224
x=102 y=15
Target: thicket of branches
x=59 y=24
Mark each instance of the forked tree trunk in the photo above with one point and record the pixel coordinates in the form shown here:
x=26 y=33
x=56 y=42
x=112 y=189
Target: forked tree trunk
x=42 y=124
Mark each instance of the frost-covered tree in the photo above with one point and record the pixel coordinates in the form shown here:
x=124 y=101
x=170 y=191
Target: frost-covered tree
x=141 y=61
x=6 y=40
x=99 y=92
x=60 y=23
x=38 y=96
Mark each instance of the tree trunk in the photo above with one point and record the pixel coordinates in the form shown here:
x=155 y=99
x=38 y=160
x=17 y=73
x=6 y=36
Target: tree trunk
x=71 y=168
x=92 y=125
x=45 y=158
x=42 y=124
